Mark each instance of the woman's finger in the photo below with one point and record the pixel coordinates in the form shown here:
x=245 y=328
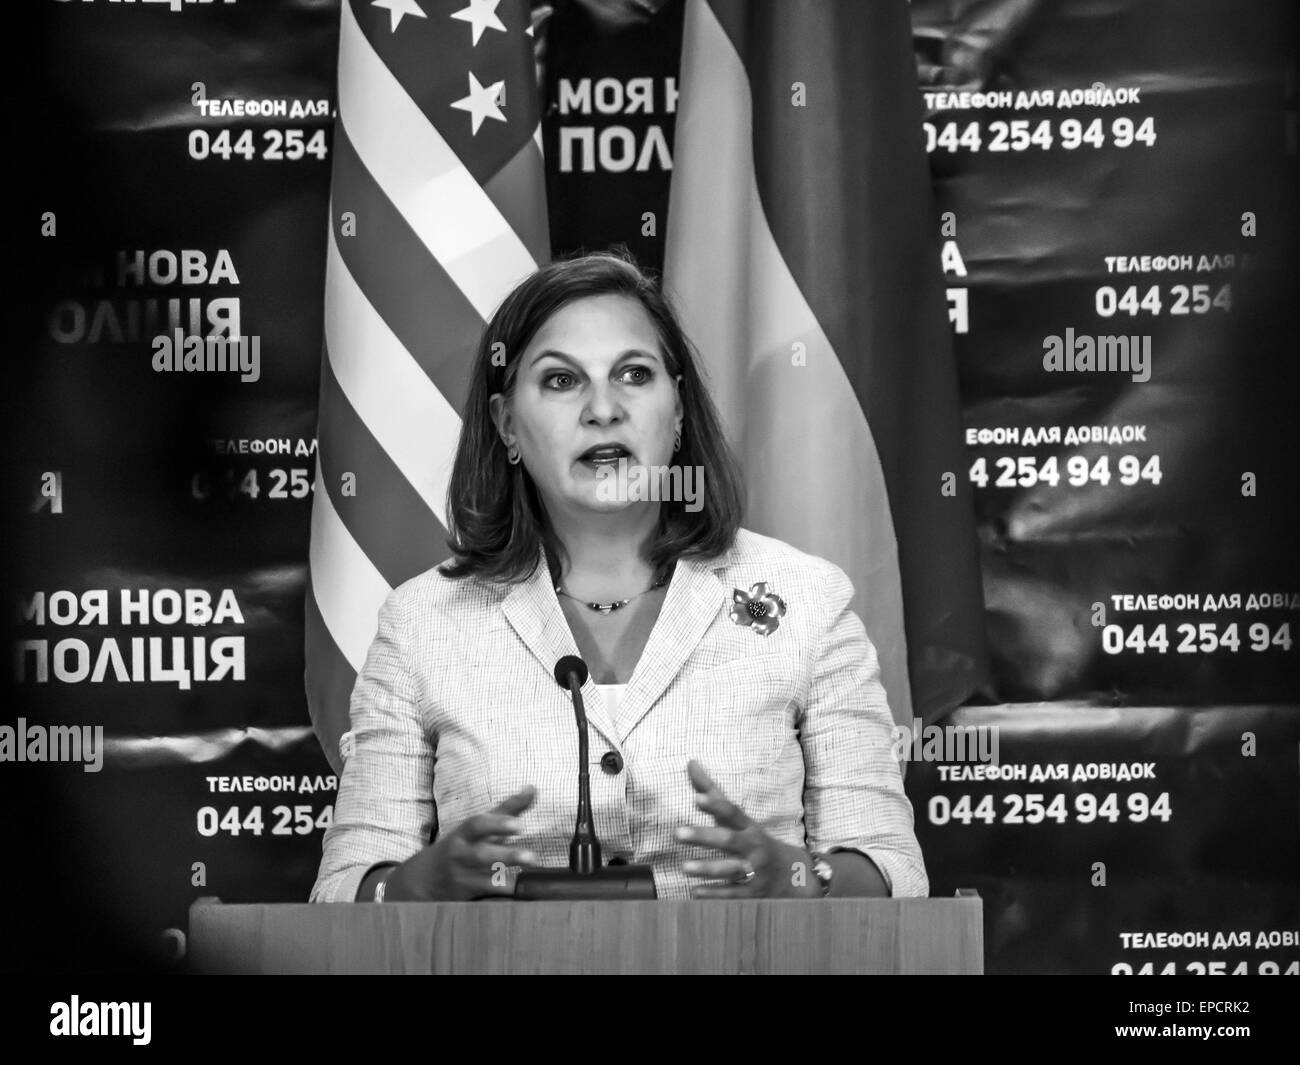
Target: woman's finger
x=723 y=810
x=713 y=801
x=723 y=839
x=700 y=779
x=489 y=826
x=485 y=855
x=717 y=868
x=491 y=868
x=516 y=803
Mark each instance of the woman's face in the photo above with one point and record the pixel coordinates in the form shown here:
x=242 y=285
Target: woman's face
x=591 y=388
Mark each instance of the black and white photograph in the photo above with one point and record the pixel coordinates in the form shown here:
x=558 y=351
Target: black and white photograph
x=654 y=487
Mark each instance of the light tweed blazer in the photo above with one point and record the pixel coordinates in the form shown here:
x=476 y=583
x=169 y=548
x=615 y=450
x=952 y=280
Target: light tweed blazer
x=456 y=708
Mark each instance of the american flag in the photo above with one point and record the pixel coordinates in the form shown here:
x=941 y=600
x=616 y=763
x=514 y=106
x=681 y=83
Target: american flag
x=437 y=209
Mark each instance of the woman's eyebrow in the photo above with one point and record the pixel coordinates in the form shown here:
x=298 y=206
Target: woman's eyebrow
x=640 y=353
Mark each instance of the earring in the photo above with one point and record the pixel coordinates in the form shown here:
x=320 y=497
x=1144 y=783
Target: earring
x=512 y=455
x=677 y=442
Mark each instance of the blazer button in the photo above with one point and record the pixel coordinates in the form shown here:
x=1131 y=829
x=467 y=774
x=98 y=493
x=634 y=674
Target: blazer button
x=611 y=762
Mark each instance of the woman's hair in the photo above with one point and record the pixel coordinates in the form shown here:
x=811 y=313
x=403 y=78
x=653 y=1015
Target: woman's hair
x=494 y=513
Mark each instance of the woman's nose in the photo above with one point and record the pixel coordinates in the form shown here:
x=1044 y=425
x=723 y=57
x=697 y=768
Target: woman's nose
x=603 y=404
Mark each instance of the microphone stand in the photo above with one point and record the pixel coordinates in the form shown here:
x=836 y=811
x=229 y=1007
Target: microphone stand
x=586 y=877
x=584 y=848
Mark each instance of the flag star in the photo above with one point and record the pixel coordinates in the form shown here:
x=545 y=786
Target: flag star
x=481 y=102
x=398 y=8
x=482 y=15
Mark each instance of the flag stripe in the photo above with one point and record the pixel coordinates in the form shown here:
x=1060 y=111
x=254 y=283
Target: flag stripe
x=348 y=589
x=329 y=679
x=448 y=210
x=515 y=189
x=385 y=515
x=865 y=252
x=409 y=417
x=746 y=327
x=407 y=286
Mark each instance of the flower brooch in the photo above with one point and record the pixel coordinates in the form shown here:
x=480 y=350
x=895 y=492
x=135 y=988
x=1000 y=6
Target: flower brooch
x=757 y=609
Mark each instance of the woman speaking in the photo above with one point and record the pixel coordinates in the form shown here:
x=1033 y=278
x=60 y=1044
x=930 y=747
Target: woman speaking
x=740 y=737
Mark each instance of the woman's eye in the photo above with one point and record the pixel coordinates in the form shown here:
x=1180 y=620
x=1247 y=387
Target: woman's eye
x=558 y=380
x=637 y=375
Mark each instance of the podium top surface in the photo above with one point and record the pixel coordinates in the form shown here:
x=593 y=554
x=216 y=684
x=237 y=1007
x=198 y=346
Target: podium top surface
x=843 y=936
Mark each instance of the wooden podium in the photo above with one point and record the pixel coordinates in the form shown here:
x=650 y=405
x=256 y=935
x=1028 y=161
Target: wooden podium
x=720 y=937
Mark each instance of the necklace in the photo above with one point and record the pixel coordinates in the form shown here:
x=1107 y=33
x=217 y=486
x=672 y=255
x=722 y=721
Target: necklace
x=609 y=608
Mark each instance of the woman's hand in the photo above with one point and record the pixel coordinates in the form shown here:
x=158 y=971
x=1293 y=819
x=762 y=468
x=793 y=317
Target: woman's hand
x=756 y=865
x=468 y=862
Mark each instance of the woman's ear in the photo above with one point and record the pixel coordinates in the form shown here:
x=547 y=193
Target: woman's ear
x=501 y=416
x=678 y=408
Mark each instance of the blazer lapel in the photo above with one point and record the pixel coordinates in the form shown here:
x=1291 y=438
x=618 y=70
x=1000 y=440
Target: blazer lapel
x=534 y=613
x=695 y=597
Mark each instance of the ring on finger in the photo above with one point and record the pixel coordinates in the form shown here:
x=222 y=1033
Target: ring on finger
x=747 y=875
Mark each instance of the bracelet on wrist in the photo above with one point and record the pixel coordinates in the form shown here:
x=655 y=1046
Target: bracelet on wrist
x=382 y=886
x=823 y=872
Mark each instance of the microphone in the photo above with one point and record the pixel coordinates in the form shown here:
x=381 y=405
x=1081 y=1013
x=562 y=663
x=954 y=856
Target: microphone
x=585 y=878
x=584 y=849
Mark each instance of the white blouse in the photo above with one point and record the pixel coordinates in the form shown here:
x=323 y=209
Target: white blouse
x=613 y=696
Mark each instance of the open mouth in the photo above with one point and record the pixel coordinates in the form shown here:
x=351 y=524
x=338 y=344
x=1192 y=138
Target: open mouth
x=604 y=455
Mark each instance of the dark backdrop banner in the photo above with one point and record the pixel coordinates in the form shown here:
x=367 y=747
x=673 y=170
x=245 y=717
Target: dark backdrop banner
x=1111 y=176
x=1115 y=188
